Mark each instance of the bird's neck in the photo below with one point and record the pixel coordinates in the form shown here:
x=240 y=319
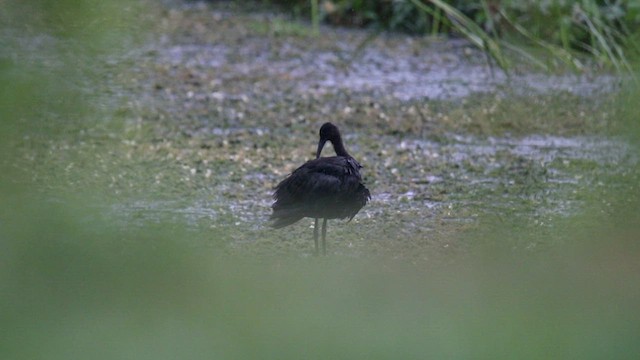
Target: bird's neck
x=338 y=146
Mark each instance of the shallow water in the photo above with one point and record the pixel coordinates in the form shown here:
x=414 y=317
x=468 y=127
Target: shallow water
x=202 y=120
x=404 y=69
x=539 y=169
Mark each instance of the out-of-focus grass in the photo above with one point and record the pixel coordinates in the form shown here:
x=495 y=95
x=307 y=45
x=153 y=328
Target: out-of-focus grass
x=78 y=289
x=74 y=285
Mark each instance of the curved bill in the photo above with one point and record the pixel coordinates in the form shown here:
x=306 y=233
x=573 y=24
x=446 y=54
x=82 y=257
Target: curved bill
x=320 y=146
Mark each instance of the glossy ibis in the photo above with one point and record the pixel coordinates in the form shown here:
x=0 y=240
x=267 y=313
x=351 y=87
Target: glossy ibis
x=324 y=188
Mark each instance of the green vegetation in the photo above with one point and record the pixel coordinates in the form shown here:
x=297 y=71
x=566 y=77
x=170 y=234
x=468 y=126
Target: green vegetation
x=553 y=31
x=84 y=274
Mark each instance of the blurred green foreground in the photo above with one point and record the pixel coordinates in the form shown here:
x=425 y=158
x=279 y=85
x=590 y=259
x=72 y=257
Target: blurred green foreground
x=75 y=286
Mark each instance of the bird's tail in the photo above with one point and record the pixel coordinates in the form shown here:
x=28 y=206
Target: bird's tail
x=284 y=217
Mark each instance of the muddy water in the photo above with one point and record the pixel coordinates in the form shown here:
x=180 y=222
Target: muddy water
x=420 y=189
x=393 y=66
x=221 y=103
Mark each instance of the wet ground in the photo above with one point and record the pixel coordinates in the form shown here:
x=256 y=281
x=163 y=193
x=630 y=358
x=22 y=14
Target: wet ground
x=220 y=103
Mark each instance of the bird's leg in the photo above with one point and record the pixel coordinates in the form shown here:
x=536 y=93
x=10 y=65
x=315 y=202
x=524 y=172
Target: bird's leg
x=315 y=236
x=324 y=237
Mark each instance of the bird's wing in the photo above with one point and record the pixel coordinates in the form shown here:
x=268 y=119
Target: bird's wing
x=316 y=178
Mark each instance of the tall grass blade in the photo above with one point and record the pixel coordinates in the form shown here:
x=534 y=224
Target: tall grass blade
x=558 y=52
x=601 y=41
x=315 y=17
x=525 y=54
x=435 y=24
x=474 y=33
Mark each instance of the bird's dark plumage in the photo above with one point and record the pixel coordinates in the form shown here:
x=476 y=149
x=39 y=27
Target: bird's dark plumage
x=323 y=188
x=328 y=188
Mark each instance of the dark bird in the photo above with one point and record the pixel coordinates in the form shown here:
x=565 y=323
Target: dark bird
x=324 y=188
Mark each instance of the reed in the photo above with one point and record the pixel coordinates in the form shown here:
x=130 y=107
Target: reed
x=547 y=35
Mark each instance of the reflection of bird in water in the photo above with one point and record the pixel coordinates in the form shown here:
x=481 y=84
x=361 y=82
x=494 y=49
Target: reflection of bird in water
x=324 y=188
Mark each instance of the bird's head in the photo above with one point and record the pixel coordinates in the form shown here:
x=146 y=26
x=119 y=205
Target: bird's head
x=328 y=132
